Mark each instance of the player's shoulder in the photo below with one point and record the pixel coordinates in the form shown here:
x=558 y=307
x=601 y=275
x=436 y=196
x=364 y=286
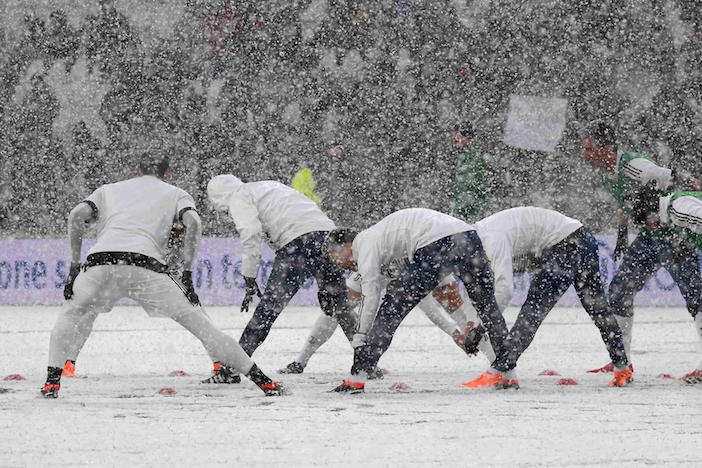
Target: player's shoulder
x=163 y=185
x=154 y=185
x=628 y=156
x=267 y=183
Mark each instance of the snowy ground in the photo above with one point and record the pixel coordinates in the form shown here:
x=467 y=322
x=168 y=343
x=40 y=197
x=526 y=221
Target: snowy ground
x=114 y=417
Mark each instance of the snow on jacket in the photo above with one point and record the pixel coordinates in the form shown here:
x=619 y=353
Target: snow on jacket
x=520 y=233
x=398 y=235
x=265 y=209
x=684 y=211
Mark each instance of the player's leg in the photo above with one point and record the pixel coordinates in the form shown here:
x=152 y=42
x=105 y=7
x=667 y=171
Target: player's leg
x=332 y=298
x=548 y=284
x=225 y=348
x=588 y=285
x=685 y=271
x=414 y=282
x=160 y=294
x=347 y=318
x=293 y=264
x=473 y=267
x=92 y=292
x=332 y=295
x=336 y=311
x=83 y=329
x=695 y=377
x=321 y=332
x=640 y=262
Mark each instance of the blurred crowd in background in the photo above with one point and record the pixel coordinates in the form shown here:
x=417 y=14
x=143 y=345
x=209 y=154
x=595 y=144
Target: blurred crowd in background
x=365 y=94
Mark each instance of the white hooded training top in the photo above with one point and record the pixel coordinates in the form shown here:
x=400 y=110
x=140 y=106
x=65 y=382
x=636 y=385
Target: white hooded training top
x=397 y=236
x=265 y=209
x=136 y=215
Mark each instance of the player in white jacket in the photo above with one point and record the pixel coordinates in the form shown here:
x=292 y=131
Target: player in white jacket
x=295 y=227
x=559 y=252
x=435 y=245
x=134 y=219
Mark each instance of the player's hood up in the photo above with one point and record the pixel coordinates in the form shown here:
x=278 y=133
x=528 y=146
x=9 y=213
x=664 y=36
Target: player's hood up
x=220 y=189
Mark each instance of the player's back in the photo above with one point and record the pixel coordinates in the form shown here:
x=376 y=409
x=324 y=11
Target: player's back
x=286 y=213
x=136 y=215
x=402 y=233
x=529 y=229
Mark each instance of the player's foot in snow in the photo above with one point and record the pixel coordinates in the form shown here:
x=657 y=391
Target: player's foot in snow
x=350 y=387
x=223 y=375
x=376 y=374
x=274 y=389
x=692 y=378
x=507 y=384
x=69 y=369
x=622 y=378
x=486 y=379
x=603 y=370
x=50 y=390
x=292 y=368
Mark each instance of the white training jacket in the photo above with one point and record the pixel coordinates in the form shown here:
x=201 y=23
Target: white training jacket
x=522 y=232
x=265 y=209
x=430 y=306
x=684 y=212
x=136 y=215
x=397 y=236
x=643 y=171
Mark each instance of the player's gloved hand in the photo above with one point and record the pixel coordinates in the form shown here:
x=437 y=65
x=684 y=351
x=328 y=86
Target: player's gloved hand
x=358 y=340
x=251 y=290
x=459 y=338
x=190 y=293
x=72 y=274
x=472 y=339
x=622 y=236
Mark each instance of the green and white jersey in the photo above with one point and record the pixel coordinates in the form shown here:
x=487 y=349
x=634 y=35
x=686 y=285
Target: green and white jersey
x=683 y=211
x=633 y=170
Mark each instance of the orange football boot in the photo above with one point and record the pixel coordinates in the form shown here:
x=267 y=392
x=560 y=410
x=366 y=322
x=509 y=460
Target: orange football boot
x=486 y=379
x=622 y=378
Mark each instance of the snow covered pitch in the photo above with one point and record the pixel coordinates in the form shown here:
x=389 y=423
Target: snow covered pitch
x=113 y=415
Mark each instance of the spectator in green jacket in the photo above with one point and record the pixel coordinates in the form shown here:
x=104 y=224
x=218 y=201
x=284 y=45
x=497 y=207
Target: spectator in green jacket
x=470 y=188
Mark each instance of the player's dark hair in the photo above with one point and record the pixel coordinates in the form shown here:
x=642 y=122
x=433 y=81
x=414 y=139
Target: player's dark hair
x=465 y=128
x=339 y=237
x=603 y=133
x=644 y=203
x=154 y=163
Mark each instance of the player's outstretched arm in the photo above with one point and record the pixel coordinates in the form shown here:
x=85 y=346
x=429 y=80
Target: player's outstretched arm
x=193 y=232
x=78 y=220
x=644 y=171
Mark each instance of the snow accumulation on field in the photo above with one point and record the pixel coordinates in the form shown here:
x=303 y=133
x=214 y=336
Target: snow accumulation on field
x=113 y=416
